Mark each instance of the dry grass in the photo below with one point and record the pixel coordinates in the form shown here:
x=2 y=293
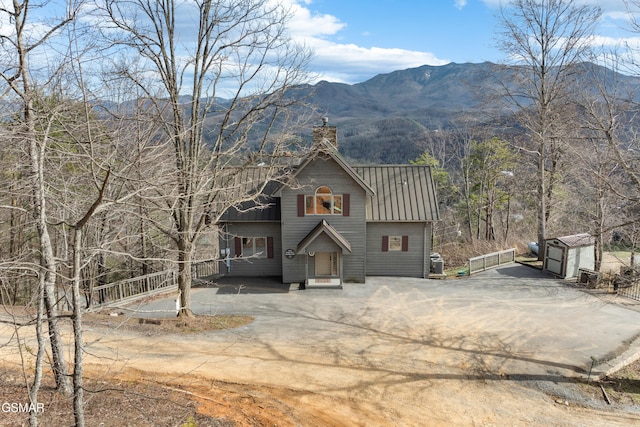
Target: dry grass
x=623 y=387
x=153 y=326
x=120 y=402
x=110 y=403
x=456 y=255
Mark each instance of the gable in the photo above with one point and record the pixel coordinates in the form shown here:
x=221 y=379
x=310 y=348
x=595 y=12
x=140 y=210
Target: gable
x=324 y=231
x=329 y=154
x=324 y=171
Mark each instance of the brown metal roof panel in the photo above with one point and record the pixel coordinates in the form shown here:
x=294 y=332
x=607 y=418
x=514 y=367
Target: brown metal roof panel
x=582 y=239
x=402 y=193
x=251 y=211
x=252 y=182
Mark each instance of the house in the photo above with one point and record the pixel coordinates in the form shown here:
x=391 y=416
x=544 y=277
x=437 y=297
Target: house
x=331 y=222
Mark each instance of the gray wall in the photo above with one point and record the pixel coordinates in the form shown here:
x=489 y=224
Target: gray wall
x=253 y=267
x=398 y=263
x=580 y=257
x=353 y=228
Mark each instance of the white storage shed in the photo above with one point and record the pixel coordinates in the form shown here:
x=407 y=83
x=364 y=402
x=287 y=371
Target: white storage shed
x=564 y=256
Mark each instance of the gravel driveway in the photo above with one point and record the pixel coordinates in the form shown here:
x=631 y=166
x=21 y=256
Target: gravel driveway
x=511 y=322
x=503 y=347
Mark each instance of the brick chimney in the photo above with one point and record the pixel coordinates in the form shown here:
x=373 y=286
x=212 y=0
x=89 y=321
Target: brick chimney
x=329 y=133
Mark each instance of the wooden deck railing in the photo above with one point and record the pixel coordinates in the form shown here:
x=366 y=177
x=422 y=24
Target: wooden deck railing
x=129 y=289
x=492 y=260
x=207 y=268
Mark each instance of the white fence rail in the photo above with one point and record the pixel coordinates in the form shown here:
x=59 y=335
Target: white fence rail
x=206 y=268
x=130 y=289
x=492 y=260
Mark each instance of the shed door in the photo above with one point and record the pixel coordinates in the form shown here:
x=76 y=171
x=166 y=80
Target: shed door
x=553 y=259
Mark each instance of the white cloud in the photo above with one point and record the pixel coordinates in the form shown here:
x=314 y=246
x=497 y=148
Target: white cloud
x=460 y=4
x=608 y=6
x=617 y=43
x=348 y=63
x=306 y=24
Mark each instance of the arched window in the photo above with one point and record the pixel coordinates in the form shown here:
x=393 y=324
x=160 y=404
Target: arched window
x=323 y=202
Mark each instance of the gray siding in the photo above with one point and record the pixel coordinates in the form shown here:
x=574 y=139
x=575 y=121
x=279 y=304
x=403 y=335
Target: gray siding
x=397 y=263
x=254 y=267
x=324 y=244
x=353 y=228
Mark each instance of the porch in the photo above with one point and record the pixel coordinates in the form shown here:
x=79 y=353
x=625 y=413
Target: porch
x=323 y=249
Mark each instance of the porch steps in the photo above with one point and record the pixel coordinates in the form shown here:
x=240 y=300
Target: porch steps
x=323 y=284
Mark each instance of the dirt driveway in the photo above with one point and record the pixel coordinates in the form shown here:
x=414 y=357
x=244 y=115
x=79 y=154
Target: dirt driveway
x=500 y=348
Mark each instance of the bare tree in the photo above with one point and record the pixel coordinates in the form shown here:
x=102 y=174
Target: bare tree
x=237 y=50
x=547 y=40
x=69 y=153
x=25 y=40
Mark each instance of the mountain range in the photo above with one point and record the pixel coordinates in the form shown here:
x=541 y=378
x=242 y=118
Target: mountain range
x=385 y=119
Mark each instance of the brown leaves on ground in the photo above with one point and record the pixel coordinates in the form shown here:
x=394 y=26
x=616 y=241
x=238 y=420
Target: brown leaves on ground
x=153 y=326
x=109 y=403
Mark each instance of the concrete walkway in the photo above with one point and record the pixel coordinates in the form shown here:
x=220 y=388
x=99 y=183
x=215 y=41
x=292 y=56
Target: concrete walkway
x=511 y=322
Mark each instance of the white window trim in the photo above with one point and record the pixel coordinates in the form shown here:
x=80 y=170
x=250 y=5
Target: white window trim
x=261 y=254
x=399 y=241
x=314 y=198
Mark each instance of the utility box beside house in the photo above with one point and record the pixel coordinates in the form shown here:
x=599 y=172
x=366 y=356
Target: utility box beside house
x=565 y=256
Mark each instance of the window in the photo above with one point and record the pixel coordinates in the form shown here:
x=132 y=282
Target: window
x=254 y=247
x=395 y=243
x=323 y=202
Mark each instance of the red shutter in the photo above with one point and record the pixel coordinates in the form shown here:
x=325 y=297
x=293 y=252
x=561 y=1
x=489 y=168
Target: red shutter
x=269 y=247
x=238 y=248
x=405 y=243
x=385 y=243
x=300 y=204
x=346 y=202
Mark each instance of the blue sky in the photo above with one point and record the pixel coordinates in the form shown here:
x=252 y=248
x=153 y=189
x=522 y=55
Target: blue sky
x=439 y=27
x=356 y=40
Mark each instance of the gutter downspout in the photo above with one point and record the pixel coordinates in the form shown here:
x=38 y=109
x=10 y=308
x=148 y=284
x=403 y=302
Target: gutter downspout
x=426 y=267
x=306 y=268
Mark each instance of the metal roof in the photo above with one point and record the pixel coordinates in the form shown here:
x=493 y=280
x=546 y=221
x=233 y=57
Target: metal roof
x=582 y=239
x=402 y=193
x=396 y=193
x=249 y=181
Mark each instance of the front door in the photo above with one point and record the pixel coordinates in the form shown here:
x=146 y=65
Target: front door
x=326 y=263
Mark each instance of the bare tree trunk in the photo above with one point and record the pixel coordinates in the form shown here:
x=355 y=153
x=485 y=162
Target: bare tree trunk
x=185 y=257
x=48 y=261
x=78 y=367
x=20 y=83
x=37 y=376
x=542 y=205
